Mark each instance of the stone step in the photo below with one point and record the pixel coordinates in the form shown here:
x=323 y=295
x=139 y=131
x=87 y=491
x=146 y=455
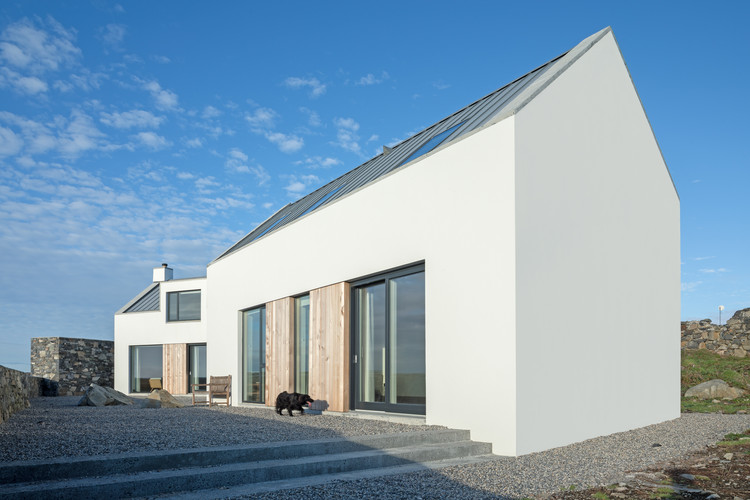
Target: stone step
x=308 y=481
x=69 y=468
x=191 y=479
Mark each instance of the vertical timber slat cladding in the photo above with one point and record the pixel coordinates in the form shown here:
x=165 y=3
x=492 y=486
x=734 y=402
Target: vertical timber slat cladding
x=174 y=362
x=279 y=348
x=329 y=346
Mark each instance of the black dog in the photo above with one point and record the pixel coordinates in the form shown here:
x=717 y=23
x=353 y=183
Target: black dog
x=293 y=401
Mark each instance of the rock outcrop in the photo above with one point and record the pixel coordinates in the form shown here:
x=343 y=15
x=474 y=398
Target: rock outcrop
x=97 y=395
x=712 y=389
x=732 y=339
x=160 y=398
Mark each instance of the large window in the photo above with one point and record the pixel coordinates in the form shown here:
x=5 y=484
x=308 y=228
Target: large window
x=301 y=344
x=254 y=355
x=184 y=306
x=389 y=335
x=145 y=364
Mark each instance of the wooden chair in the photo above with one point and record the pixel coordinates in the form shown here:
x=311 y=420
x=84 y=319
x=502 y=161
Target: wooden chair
x=220 y=387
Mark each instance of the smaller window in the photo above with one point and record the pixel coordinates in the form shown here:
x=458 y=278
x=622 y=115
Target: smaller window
x=184 y=306
x=431 y=144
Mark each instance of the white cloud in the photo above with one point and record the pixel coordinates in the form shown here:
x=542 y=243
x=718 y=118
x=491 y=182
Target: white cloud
x=30 y=85
x=133 y=118
x=261 y=173
x=210 y=112
x=10 y=143
x=165 y=99
x=113 y=35
x=185 y=176
x=373 y=137
x=38 y=49
x=196 y=142
x=237 y=154
x=237 y=162
x=161 y=59
x=287 y=143
x=319 y=162
x=313 y=118
x=346 y=135
x=316 y=88
x=705 y=258
x=371 y=79
x=440 y=85
x=205 y=184
x=298 y=186
x=711 y=271
x=690 y=286
x=152 y=140
x=79 y=135
x=262 y=117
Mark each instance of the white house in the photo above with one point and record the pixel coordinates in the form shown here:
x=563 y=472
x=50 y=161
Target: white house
x=514 y=269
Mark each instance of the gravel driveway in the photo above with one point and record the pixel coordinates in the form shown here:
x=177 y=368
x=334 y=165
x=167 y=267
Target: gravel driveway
x=55 y=427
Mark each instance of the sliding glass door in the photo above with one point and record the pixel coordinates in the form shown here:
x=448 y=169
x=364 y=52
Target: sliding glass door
x=389 y=339
x=196 y=365
x=254 y=355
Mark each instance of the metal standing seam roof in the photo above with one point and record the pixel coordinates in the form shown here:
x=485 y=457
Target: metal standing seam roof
x=148 y=302
x=502 y=102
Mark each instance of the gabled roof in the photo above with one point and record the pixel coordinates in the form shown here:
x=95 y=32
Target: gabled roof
x=147 y=300
x=488 y=110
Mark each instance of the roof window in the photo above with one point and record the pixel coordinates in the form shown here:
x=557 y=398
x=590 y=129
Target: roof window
x=321 y=201
x=431 y=144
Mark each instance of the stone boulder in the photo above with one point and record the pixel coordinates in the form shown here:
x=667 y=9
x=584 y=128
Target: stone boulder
x=97 y=395
x=160 y=398
x=716 y=388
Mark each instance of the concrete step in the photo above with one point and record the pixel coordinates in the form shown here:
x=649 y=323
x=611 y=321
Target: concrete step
x=307 y=481
x=69 y=468
x=210 y=469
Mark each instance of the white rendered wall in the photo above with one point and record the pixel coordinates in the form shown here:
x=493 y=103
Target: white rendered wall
x=454 y=210
x=152 y=328
x=598 y=261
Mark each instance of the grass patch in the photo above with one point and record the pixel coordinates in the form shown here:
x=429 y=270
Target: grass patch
x=600 y=496
x=736 y=439
x=702 y=366
x=664 y=493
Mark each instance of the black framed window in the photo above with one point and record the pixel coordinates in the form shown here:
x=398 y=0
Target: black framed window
x=301 y=344
x=184 y=306
x=254 y=355
x=145 y=364
x=388 y=348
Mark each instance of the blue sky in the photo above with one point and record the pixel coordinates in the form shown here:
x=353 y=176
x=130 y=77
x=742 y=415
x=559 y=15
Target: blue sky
x=145 y=132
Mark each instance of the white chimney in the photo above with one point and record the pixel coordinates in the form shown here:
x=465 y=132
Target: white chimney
x=163 y=273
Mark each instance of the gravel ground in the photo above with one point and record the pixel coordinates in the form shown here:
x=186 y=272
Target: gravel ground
x=600 y=461
x=57 y=427
x=54 y=427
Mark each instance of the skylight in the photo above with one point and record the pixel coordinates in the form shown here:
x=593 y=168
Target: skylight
x=270 y=227
x=431 y=144
x=320 y=201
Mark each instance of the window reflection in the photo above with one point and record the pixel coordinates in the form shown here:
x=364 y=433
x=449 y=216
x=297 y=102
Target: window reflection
x=254 y=355
x=145 y=363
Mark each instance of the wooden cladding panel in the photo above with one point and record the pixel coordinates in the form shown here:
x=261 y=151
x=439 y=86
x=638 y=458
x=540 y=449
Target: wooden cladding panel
x=329 y=346
x=279 y=348
x=174 y=368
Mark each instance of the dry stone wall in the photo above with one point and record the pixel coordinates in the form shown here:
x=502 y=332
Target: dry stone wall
x=73 y=364
x=15 y=390
x=732 y=339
